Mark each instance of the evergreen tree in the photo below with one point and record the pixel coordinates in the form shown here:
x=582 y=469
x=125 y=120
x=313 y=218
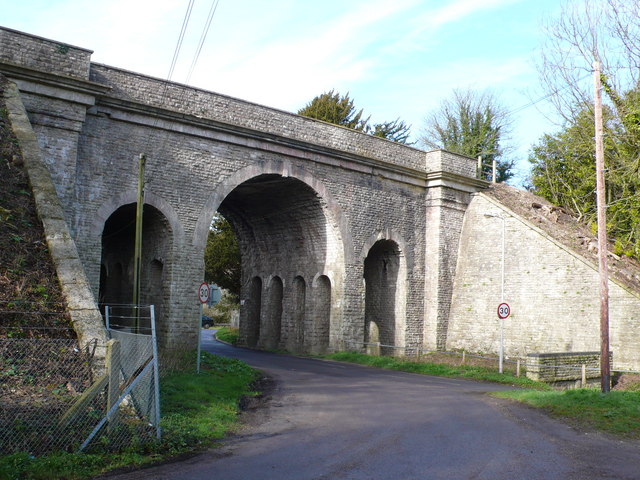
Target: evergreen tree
x=332 y=107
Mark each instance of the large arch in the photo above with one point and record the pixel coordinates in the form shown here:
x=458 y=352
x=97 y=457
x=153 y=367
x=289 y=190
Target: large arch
x=284 y=169
x=286 y=232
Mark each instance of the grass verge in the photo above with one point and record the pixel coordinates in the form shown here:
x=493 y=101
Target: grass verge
x=228 y=334
x=472 y=372
x=196 y=410
x=616 y=412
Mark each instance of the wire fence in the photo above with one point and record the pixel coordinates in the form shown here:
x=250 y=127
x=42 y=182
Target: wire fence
x=519 y=365
x=56 y=396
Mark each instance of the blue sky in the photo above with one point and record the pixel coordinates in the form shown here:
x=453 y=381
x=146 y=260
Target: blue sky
x=396 y=58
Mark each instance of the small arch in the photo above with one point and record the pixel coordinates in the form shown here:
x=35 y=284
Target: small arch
x=384 y=275
x=321 y=314
x=298 y=301
x=109 y=206
x=117 y=278
x=272 y=320
x=253 y=306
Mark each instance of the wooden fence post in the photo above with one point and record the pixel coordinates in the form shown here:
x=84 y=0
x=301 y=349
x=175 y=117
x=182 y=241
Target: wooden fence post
x=113 y=373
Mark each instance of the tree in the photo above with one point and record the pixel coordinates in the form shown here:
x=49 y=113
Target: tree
x=396 y=131
x=222 y=256
x=472 y=124
x=564 y=163
x=332 y=107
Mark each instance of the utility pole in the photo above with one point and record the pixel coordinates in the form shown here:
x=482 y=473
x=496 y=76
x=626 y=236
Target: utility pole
x=605 y=368
x=137 y=253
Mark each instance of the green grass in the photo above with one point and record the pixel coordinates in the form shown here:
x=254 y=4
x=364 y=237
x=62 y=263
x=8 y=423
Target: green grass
x=616 y=412
x=196 y=410
x=472 y=372
x=228 y=334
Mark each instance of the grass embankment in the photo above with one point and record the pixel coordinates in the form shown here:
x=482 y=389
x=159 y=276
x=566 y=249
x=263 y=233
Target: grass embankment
x=228 y=334
x=617 y=412
x=472 y=372
x=196 y=410
x=28 y=280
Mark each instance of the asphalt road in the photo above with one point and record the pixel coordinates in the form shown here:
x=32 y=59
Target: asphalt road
x=328 y=420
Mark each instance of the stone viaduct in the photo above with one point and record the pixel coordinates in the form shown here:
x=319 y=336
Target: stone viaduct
x=345 y=238
x=337 y=229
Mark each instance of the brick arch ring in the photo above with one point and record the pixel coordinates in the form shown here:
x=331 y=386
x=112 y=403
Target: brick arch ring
x=285 y=169
x=150 y=198
x=388 y=234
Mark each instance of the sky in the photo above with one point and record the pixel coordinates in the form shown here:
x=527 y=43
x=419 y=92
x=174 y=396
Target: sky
x=395 y=58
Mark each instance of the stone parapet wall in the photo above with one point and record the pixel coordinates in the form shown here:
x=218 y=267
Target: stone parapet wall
x=39 y=53
x=134 y=87
x=565 y=366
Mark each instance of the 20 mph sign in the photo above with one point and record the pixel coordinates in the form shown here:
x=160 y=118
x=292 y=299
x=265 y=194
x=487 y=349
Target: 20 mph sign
x=504 y=310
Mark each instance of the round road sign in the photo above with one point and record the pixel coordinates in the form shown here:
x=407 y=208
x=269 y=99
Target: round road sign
x=203 y=292
x=504 y=310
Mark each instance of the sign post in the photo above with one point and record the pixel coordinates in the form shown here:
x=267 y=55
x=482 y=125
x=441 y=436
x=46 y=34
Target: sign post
x=203 y=296
x=503 y=312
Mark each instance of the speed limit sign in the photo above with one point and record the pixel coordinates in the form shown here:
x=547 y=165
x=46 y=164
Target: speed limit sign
x=504 y=310
x=203 y=292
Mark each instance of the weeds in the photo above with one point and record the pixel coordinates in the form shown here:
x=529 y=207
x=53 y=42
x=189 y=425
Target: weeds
x=228 y=334
x=196 y=410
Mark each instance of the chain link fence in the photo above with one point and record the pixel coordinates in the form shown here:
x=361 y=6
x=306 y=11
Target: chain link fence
x=54 y=397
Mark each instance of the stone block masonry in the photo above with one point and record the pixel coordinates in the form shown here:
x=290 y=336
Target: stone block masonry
x=551 y=289
x=563 y=367
x=308 y=201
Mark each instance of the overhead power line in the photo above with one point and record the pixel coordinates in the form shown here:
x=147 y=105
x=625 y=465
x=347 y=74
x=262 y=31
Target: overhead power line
x=205 y=31
x=544 y=97
x=183 y=30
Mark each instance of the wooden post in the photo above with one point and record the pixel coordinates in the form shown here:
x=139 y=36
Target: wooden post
x=494 y=171
x=113 y=373
x=479 y=168
x=605 y=368
x=463 y=356
x=584 y=375
x=137 y=254
x=518 y=368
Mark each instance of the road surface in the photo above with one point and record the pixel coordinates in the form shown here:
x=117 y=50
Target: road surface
x=328 y=420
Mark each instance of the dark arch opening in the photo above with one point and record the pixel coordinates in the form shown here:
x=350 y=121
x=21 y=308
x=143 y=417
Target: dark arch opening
x=284 y=232
x=381 y=269
x=272 y=322
x=322 y=313
x=253 y=306
x=299 y=294
x=116 y=272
